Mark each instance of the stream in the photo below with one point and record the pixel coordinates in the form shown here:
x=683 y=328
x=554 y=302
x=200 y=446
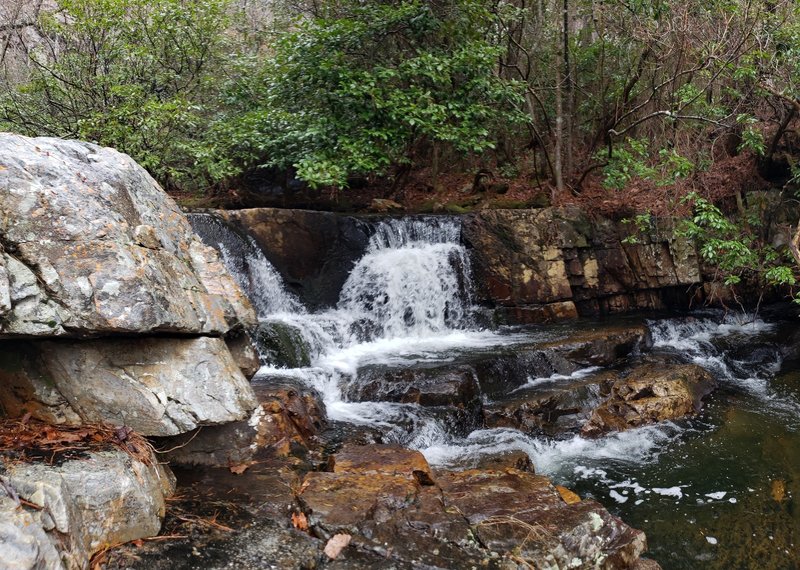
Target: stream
x=714 y=491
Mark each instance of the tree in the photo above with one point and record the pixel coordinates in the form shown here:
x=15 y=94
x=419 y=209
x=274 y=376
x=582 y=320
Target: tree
x=355 y=89
x=139 y=75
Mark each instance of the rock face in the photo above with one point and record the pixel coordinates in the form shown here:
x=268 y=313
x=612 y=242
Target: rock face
x=92 y=245
x=650 y=394
x=86 y=505
x=157 y=386
x=559 y=262
x=111 y=311
x=313 y=251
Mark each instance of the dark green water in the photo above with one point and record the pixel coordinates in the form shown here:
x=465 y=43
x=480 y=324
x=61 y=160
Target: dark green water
x=718 y=491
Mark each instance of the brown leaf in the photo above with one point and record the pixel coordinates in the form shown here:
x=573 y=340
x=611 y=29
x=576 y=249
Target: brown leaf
x=240 y=468
x=299 y=521
x=336 y=544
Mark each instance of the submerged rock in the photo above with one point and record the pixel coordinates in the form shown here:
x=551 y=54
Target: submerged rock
x=440 y=386
x=651 y=393
x=92 y=245
x=85 y=505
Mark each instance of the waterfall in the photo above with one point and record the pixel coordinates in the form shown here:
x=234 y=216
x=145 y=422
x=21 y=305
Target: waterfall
x=247 y=264
x=413 y=280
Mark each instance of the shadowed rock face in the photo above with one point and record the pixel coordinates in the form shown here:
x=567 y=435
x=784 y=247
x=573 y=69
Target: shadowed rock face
x=313 y=251
x=92 y=245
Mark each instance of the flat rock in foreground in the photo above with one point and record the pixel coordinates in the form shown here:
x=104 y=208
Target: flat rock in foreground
x=460 y=519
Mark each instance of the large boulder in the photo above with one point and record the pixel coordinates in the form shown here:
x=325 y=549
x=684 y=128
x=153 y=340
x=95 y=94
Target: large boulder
x=157 y=386
x=651 y=393
x=91 y=245
x=56 y=516
x=286 y=421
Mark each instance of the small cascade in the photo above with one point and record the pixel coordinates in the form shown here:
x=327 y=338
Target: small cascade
x=413 y=280
x=247 y=264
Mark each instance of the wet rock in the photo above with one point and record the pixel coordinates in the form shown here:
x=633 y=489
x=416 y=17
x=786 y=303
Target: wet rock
x=282 y=345
x=460 y=519
x=244 y=353
x=313 y=251
x=157 y=386
x=87 y=505
x=286 y=421
x=513 y=511
x=555 y=406
x=649 y=394
x=503 y=371
x=384 y=459
x=442 y=386
x=518 y=460
x=603 y=345
x=92 y=245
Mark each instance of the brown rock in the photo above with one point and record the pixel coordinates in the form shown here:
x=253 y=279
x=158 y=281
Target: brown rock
x=651 y=393
x=386 y=459
x=285 y=422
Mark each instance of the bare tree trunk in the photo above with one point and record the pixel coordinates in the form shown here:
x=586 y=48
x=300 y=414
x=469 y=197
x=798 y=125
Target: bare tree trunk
x=558 y=173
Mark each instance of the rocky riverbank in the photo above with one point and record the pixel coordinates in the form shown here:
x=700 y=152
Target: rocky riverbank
x=117 y=321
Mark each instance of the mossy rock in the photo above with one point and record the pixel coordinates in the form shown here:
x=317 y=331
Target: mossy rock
x=282 y=345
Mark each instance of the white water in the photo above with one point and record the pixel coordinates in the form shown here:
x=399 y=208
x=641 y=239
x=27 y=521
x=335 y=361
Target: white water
x=407 y=301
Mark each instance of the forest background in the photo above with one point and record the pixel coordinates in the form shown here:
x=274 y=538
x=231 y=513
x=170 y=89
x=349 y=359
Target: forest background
x=630 y=108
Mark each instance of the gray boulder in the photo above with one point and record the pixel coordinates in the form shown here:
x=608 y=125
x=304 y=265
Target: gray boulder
x=157 y=386
x=84 y=505
x=91 y=245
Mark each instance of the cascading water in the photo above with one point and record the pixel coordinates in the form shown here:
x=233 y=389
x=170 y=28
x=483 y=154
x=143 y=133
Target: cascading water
x=406 y=305
x=247 y=264
x=412 y=281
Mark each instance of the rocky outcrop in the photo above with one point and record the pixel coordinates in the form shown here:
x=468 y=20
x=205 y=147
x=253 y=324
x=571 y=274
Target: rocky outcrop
x=286 y=421
x=560 y=262
x=91 y=246
x=157 y=386
x=112 y=311
x=56 y=516
x=391 y=503
x=651 y=393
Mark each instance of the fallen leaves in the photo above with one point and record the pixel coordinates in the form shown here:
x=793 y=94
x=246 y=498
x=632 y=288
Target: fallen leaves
x=240 y=468
x=336 y=544
x=27 y=439
x=300 y=522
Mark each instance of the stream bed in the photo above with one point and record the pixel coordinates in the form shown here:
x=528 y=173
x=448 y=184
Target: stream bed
x=714 y=491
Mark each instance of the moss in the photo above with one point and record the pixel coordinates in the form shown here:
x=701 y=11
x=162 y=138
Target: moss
x=282 y=345
x=456 y=209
